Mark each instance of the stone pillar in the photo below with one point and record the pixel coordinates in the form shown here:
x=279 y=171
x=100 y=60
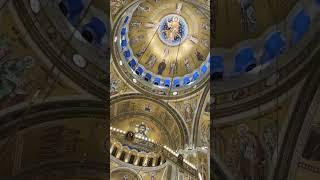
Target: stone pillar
x=145 y=162
x=127 y=156
x=111 y=148
x=118 y=153
x=154 y=161
x=136 y=160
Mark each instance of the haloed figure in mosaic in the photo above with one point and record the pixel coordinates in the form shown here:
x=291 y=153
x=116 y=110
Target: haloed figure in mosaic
x=173 y=30
x=142 y=130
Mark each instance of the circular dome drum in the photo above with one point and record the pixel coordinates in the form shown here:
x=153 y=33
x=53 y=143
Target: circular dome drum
x=163 y=49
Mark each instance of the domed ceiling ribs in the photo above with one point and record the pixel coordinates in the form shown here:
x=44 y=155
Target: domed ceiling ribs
x=200 y=110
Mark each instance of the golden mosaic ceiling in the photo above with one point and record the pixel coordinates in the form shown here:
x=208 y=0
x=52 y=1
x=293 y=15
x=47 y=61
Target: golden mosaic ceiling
x=146 y=30
x=162 y=48
x=162 y=122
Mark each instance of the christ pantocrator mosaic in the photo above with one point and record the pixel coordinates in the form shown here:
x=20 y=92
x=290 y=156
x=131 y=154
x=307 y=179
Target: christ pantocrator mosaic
x=173 y=30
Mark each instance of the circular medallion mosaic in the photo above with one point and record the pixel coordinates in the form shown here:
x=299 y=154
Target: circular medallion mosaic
x=173 y=30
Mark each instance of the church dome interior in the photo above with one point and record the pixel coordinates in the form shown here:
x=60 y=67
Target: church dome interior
x=160 y=89
x=163 y=50
x=270 y=57
x=262 y=68
x=264 y=37
x=159 y=76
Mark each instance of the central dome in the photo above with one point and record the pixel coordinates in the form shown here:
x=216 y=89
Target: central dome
x=164 y=50
x=173 y=30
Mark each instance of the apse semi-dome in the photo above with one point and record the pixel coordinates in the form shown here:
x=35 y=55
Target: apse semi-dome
x=162 y=48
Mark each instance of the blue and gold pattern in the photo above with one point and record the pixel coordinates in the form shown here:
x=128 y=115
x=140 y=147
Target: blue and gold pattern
x=173 y=30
